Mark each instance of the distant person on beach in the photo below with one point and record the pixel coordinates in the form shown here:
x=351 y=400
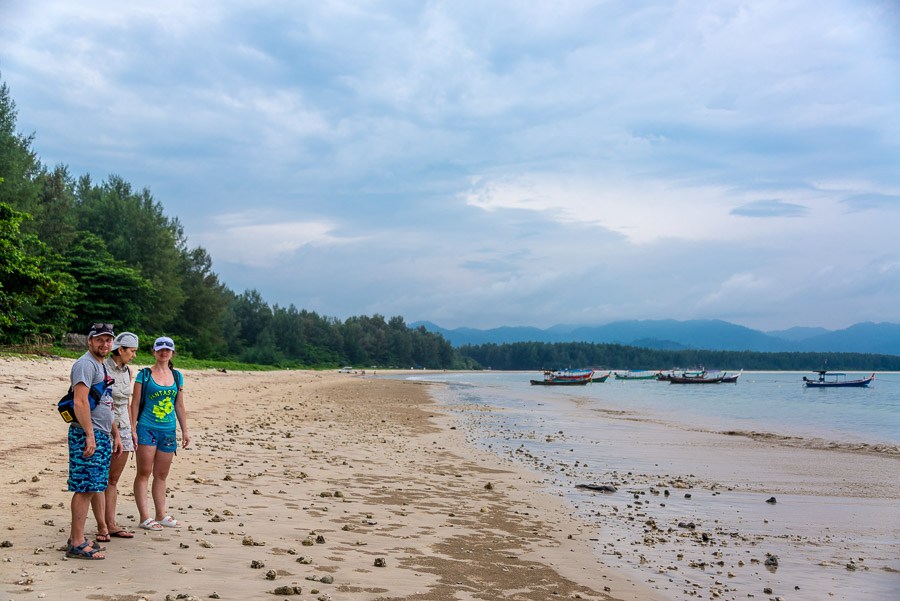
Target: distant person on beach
x=93 y=439
x=124 y=349
x=157 y=400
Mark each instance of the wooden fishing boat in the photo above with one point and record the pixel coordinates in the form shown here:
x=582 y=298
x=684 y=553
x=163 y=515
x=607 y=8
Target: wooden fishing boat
x=600 y=379
x=679 y=373
x=642 y=374
x=833 y=379
x=581 y=382
x=732 y=379
x=703 y=380
x=565 y=377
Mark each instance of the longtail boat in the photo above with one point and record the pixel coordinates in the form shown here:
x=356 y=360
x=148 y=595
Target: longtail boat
x=600 y=379
x=732 y=379
x=565 y=377
x=715 y=380
x=679 y=373
x=833 y=379
x=638 y=375
x=708 y=377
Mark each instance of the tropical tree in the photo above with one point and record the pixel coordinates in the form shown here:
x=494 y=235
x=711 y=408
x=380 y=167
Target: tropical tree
x=108 y=289
x=23 y=284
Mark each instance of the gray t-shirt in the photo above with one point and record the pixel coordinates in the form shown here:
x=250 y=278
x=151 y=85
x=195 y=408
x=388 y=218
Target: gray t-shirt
x=89 y=371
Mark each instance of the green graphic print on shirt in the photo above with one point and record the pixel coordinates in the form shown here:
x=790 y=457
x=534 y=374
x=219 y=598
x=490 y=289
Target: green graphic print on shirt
x=159 y=409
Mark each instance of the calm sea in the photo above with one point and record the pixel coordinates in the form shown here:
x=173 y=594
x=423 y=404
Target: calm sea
x=776 y=403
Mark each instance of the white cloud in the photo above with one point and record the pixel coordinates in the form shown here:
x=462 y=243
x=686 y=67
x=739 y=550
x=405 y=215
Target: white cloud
x=480 y=147
x=737 y=287
x=642 y=210
x=237 y=240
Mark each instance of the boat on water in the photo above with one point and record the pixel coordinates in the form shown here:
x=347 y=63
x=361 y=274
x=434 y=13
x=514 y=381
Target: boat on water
x=704 y=380
x=834 y=379
x=601 y=379
x=707 y=377
x=565 y=377
x=677 y=372
x=732 y=379
x=642 y=374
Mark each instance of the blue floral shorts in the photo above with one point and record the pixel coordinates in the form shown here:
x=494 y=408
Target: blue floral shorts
x=88 y=474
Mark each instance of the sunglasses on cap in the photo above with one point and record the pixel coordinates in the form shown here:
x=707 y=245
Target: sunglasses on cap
x=101 y=329
x=163 y=344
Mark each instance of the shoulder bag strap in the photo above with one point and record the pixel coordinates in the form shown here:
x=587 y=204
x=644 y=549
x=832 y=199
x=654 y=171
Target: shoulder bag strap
x=145 y=375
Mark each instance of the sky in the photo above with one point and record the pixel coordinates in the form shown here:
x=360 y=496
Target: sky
x=485 y=163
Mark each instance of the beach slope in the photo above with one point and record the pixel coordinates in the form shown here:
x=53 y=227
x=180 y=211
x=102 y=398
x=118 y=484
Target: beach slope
x=297 y=485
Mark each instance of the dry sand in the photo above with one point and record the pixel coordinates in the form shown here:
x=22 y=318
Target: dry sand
x=336 y=470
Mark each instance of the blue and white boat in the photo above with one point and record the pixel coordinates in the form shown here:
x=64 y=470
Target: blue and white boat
x=834 y=379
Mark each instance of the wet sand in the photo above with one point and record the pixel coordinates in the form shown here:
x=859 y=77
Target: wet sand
x=297 y=485
x=689 y=516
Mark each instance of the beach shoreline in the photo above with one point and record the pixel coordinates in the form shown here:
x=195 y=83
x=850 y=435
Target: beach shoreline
x=370 y=468
x=690 y=513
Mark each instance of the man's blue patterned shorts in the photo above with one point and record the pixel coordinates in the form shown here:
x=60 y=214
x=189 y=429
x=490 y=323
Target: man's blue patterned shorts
x=88 y=474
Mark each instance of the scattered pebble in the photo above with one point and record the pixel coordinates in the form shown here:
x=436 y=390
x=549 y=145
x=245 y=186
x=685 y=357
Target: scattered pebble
x=287 y=590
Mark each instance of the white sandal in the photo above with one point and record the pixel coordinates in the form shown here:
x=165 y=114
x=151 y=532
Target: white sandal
x=151 y=524
x=169 y=522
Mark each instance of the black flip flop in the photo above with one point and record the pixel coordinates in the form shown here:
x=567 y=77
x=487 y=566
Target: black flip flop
x=122 y=534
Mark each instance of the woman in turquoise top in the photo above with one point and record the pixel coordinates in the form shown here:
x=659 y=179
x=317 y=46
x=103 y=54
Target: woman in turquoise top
x=157 y=401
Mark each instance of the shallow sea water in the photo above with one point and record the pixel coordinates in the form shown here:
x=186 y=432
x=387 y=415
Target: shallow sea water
x=765 y=402
x=638 y=435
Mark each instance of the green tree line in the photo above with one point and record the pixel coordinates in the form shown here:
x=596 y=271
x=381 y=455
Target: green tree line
x=74 y=251
x=544 y=355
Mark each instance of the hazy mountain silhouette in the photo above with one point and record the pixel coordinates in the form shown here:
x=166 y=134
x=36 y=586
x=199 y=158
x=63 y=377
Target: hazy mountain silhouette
x=714 y=334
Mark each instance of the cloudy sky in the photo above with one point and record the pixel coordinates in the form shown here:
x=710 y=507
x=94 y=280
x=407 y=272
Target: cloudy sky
x=487 y=163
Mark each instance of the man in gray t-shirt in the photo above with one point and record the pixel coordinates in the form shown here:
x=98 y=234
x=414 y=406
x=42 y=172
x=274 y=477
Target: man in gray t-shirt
x=93 y=374
x=93 y=439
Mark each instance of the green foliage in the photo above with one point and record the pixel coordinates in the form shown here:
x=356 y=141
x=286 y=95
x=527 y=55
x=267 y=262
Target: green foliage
x=54 y=220
x=23 y=283
x=199 y=317
x=53 y=314
x=137 y=231
x=108 y=289
x=19 y=166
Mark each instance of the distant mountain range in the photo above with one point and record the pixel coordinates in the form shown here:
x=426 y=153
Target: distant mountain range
x=669 y=334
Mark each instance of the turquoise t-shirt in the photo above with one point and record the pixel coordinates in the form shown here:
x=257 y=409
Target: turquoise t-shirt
x=159 y=401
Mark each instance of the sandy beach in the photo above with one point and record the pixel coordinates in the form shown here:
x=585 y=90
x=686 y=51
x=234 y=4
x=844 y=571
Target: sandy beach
x=297 y=485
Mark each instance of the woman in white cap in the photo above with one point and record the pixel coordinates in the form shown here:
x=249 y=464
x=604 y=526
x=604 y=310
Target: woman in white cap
x=124 y=348
x=157 y=400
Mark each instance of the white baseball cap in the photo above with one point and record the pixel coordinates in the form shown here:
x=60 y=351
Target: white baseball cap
x=164 y=342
